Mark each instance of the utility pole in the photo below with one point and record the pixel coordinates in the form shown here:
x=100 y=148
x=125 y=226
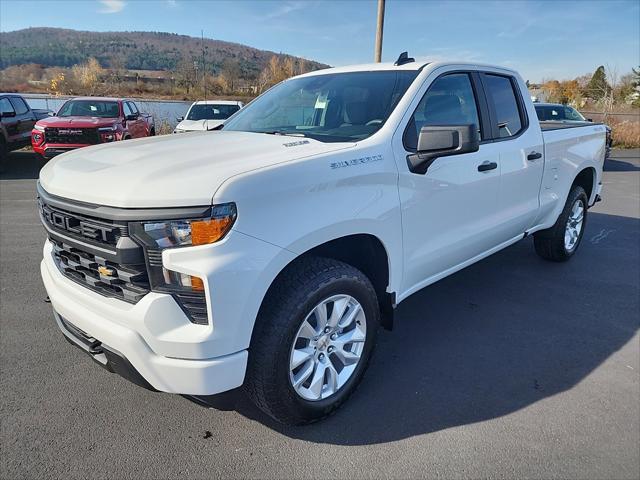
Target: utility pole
x=204 y=66
x=379 y=29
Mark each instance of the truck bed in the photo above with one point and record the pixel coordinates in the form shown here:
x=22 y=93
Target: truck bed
x=548 y=125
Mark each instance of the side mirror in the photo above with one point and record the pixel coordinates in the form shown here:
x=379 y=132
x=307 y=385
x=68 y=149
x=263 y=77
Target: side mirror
x=590 y=120
x=179 y=119
x=443 y=141
x=131 y=117
x=7 y=114
x=51 y=113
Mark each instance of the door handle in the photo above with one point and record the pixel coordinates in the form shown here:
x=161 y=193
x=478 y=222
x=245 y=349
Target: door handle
x=486 y=166
x=534 y=156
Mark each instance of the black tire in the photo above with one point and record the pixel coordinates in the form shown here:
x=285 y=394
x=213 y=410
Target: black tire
x=4 y=151
x=549 y=243
x=152 y=133
x=288 y=303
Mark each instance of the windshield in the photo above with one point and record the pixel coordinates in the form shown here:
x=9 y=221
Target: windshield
x=558 y=112
x=336 y=107
x=211 y=112
x=90 y=108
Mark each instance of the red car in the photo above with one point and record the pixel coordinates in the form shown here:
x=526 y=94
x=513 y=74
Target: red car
x=89 y=121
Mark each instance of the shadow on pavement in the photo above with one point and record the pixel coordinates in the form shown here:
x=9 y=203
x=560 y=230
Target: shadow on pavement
x=492 y=339
x=21 y=165
x=612 y=165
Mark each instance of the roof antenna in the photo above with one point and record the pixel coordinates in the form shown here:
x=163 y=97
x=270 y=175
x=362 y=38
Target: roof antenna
x=404 y=58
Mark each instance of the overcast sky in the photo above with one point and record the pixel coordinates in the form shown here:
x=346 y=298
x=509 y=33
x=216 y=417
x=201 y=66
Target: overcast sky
x=541 y=39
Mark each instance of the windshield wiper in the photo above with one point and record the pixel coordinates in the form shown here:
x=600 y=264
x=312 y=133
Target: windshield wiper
x=284 y=133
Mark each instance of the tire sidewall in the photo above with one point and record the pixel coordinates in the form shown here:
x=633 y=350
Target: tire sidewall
x=365 y=295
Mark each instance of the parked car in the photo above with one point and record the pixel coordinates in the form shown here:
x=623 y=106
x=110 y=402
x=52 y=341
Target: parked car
x=268 y=253
x=207 y=115
x=90 y=121
x=17 y=119
x=557 y=112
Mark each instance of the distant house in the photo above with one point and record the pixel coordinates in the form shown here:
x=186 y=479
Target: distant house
x=537 y=94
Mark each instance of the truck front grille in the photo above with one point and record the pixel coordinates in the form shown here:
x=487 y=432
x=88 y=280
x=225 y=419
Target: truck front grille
x=80 y=227
x=126 y=282
x=77 y=136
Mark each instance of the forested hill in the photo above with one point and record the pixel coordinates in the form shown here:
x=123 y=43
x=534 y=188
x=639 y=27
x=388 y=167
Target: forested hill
x=130 y=50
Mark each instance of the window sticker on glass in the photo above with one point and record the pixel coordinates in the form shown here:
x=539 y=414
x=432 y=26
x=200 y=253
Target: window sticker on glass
x=321 y=102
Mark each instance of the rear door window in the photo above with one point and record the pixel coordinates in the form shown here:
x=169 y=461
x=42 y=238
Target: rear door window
x=506 y=107
x=20 y=106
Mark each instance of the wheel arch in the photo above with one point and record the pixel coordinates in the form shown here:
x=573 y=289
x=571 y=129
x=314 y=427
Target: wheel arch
x=364 y=251
x=586 y=179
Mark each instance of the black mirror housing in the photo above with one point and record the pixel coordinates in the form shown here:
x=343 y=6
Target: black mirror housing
x=131 y=117
x=437 y=141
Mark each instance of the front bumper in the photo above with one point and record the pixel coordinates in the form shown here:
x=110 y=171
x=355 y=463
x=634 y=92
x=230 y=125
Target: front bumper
x=116 y=324
x=49 y=151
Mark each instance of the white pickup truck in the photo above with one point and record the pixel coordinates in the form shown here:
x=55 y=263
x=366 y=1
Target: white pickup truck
x=267 y=254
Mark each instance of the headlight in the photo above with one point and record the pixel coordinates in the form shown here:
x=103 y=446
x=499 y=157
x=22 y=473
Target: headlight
x=40 y=128
x=110 y=129
x=158 y=235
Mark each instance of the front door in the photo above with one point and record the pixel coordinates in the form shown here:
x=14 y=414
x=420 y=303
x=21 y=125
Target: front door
x=449 y=214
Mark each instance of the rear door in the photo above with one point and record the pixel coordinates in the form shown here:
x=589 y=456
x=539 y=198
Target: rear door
x=449 y=213
x=10 y=121
x=521 y=152
x=25 y=118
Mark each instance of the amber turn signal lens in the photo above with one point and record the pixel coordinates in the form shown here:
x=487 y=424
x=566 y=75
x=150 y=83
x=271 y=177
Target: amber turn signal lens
x=197 y=284
x=210 y=231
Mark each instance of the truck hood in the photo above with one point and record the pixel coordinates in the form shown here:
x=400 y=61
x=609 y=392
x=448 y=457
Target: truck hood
x=171 y=170
x=76 y=122
x=198 y=125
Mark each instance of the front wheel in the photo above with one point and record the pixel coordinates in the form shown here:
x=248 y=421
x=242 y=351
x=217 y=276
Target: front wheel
x=561 y=241
x=312 y=341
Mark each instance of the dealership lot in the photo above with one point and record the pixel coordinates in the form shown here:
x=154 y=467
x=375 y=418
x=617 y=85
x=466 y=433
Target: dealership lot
x=514 y=367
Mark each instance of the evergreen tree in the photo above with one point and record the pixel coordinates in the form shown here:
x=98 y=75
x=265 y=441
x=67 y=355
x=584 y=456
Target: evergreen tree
x=598 y=87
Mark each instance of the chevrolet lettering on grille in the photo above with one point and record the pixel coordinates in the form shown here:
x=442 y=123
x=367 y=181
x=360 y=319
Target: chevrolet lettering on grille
x=78 y=226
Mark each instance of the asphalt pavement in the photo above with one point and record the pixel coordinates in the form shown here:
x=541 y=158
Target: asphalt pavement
x=512 y=368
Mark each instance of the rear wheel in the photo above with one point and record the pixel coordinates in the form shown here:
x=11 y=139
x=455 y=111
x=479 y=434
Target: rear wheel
x=561 y=241
x=312 y=341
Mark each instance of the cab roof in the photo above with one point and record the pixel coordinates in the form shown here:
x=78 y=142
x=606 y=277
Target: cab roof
x=416 y=65
x=102 y=99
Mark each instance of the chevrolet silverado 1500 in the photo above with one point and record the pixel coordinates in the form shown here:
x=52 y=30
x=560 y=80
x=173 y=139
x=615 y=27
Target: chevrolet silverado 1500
x=267 y=254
